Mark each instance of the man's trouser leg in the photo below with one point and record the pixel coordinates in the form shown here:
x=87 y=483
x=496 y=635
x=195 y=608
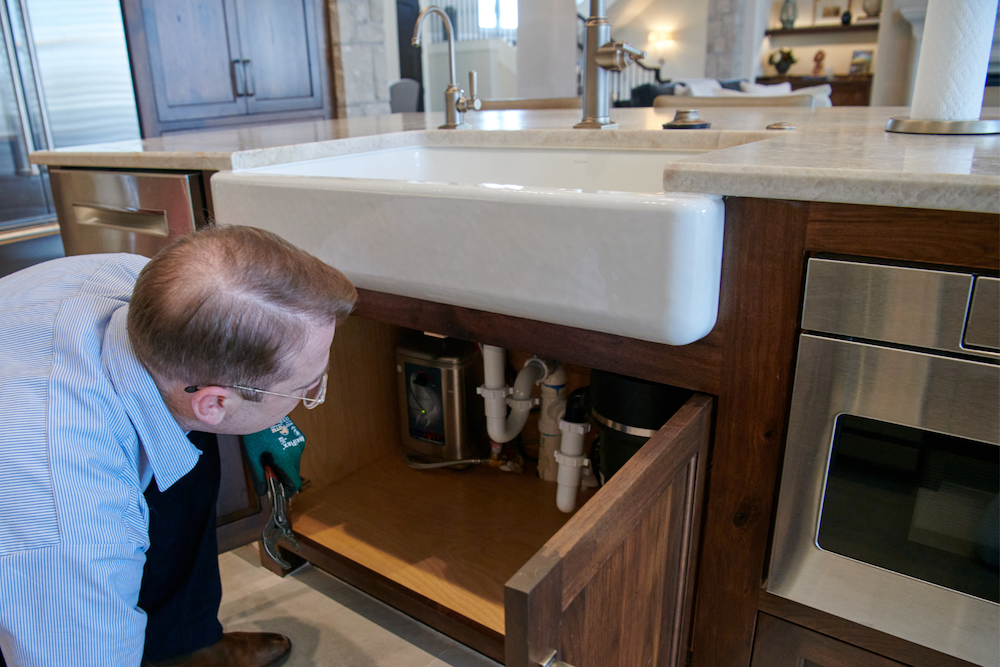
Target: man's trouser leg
x=181 y=588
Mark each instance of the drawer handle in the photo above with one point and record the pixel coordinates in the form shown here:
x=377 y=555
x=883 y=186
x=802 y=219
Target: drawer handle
x=138 y=220
x=239 y=76
x=550 y=661
x=251 y=87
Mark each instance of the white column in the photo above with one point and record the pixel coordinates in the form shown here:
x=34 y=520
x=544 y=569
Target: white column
x=898 y=47
x=546 y=48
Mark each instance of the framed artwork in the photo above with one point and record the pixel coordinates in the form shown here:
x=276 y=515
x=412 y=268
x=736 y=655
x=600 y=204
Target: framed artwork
x=861 y=62
x=828 y=12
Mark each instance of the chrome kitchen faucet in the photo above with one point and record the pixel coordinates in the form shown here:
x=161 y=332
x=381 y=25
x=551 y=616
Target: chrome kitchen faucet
x=455 y=102
x=601 y=55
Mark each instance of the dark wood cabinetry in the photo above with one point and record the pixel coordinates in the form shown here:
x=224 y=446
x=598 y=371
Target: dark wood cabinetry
x=846 y=91
x=202 y=63
x=766 y=249
x=746 y=362
x=782 y=644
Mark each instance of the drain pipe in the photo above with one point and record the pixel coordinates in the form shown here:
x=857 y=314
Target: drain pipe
x=570 y=456
x=501 y=427
x=553 y=406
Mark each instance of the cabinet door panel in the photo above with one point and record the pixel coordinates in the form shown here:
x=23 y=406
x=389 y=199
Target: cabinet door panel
x=192 y=45
x=614 y=586
x=280 y=41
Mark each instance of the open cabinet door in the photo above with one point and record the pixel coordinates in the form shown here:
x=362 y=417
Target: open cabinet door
x=614 y=587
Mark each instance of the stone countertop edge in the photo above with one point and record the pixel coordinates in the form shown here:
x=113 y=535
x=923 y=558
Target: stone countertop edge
x=949 y=192
x=838 y=154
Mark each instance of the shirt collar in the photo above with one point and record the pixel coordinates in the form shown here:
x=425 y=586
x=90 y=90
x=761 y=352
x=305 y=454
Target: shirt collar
x=171 y=455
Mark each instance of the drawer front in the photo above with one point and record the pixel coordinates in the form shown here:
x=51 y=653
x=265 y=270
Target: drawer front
x=778 y=643
x=119 y=211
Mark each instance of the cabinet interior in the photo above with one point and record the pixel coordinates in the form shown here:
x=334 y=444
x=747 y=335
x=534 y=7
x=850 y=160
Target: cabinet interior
x=453 y=537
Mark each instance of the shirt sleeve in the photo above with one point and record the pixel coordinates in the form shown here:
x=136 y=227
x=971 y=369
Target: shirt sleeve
x=72 y=605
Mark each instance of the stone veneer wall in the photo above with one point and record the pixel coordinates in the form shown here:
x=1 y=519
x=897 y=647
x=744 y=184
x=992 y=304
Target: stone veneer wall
x=735 y=32
x=356 y=33
x=725 y=37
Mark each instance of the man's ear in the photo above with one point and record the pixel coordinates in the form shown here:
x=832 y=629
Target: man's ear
x=210 y=404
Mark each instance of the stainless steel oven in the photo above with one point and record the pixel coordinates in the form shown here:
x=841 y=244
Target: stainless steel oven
x=887 y=513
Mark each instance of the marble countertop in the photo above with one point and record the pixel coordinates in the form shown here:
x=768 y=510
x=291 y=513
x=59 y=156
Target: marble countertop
x=835 y=154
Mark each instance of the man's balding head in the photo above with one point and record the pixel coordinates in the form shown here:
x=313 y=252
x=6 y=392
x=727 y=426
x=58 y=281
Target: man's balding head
x=229 y=305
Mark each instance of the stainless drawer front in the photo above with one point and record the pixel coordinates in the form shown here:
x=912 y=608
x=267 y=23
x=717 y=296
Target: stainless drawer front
x=899 y=305
x=110 y=211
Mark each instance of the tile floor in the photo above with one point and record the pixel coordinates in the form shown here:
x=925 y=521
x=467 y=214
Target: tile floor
x=330 y=623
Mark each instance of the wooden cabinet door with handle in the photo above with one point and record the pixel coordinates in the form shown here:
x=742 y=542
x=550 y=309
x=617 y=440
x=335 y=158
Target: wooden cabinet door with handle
x=613 y=588
x=194 y=57
x=279 y=40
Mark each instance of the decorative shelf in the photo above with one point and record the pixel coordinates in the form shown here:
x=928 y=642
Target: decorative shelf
x=863 y=26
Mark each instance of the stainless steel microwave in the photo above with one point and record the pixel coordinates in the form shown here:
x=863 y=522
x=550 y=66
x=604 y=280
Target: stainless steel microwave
x=888 y=506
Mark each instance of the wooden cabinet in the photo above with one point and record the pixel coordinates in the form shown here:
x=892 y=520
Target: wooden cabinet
x=852 y=91
x=484 y=555
x=746 y=363
x=767 y=245
x=778 y=643
x=200 y=63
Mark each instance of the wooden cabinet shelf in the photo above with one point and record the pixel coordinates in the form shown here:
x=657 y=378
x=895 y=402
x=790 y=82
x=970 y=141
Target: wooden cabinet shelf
x=864 y=26
x=452 y=536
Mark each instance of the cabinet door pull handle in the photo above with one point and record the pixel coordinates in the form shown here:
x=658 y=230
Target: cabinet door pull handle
x=550 y=661
x=251 y=88
x=238 y=77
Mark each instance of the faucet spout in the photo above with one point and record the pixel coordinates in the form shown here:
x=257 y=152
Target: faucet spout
x=434 y=9
x=452 y=94
x=601 y=55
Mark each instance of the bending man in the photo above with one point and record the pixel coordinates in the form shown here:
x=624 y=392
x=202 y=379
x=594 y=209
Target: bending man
x=114 y=375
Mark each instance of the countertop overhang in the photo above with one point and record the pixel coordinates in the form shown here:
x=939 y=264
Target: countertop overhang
x=835 y=154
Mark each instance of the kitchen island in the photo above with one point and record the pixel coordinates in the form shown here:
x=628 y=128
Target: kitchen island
x=836 y=184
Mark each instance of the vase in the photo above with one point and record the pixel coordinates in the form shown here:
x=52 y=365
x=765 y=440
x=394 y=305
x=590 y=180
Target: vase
x=872 y=8
x=782 y=66
x=789 y=12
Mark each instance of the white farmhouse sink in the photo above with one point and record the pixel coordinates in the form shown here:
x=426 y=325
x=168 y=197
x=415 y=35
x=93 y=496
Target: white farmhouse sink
x=589 y=170
x=582 y=237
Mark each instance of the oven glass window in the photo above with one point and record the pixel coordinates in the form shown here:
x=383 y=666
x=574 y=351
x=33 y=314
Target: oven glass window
x=918 y=503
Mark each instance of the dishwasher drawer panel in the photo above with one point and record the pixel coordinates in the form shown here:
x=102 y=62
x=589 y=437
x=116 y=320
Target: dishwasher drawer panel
x=121 y=211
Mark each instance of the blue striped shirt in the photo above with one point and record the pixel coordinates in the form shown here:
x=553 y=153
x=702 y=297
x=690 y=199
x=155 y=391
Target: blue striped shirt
x=86 y=429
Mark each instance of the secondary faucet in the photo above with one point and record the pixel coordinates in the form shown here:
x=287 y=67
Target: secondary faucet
x=601 y=55
x=455 y=102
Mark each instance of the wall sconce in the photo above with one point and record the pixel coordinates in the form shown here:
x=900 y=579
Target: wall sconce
x=661 y=38
x=659 y=42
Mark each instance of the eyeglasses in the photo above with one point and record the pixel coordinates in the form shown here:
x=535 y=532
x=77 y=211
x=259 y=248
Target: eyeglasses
x=313 y=396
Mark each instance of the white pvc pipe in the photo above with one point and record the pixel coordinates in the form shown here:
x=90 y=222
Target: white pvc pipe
x=494 y=360
x=571 y=462
x=553 y=407
x=501 y=427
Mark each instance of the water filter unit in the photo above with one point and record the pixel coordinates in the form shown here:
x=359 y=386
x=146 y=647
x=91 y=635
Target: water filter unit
x=441 y=417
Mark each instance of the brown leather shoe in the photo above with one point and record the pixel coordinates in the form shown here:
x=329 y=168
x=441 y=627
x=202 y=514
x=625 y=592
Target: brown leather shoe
x=236 y=649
